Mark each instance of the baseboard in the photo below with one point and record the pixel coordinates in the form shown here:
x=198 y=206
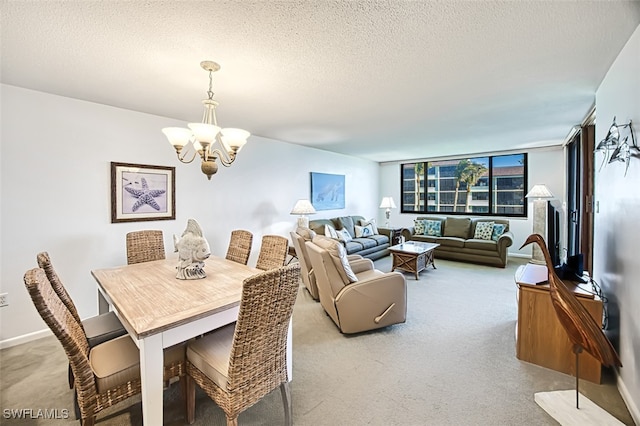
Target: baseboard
x=520 y=255
x=24 y=338
x=626 y=396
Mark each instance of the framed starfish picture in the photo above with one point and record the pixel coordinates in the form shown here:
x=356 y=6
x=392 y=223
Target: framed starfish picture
x=141 y=192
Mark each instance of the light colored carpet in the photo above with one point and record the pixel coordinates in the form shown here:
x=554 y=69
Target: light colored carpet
x=452 y=363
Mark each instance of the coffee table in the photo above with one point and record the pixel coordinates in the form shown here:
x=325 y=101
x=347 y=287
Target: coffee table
x=413 y=256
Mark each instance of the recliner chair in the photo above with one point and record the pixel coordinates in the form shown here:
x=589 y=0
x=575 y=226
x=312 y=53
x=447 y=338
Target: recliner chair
x=299 y=237
x=356 y=296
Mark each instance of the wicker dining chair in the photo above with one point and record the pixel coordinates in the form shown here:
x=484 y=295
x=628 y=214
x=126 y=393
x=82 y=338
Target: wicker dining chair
x=239 y=364
x=273 y=252
x=145 y=246
x=99 y=328
x=105 y=374
x=240 y=246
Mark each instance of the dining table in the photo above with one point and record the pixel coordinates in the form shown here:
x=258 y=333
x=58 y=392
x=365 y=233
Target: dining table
x=158 y=311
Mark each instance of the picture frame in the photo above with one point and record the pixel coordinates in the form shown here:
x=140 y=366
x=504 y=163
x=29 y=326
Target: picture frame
x=327 y=191
x=141 y=192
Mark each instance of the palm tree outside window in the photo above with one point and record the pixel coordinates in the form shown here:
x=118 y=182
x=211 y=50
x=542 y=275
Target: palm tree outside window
x=492 y=185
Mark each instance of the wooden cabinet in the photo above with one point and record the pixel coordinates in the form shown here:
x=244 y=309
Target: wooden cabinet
x=540 y=338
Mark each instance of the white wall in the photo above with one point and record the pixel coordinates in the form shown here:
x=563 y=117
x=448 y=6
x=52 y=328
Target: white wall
x=55 y=193
x=544 y=166
x=617 y=224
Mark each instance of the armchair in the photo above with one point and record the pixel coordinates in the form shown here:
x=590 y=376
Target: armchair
x=354 y=294
x=298 y=238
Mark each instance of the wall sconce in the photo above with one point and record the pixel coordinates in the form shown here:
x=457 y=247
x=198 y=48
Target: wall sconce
x=620 y=151
x=302 y=208
x=541 y=196
x=388 y=204
x=200 y=137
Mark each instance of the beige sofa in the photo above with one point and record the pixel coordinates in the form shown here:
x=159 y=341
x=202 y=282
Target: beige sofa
x=457 y=239
x=372 y=247
x=356 y=296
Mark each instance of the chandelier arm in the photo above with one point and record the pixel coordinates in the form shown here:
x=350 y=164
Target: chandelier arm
x=182 y=155
x=225 y=158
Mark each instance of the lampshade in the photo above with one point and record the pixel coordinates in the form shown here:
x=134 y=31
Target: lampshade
x=234 y=138
x=539 y=191
x=204 y=132
x=303 y=207
x=387 y=203
x=177 y=135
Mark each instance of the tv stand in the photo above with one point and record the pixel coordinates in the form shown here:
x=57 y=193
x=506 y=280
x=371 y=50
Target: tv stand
x=540 y=338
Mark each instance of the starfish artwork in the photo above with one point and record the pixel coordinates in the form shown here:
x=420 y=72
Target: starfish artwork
x=145 y=195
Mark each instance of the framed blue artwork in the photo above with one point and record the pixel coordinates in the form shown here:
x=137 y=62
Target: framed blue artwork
x=327 y=191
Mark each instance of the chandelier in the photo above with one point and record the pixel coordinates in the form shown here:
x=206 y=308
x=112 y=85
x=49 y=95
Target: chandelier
x=199 y=138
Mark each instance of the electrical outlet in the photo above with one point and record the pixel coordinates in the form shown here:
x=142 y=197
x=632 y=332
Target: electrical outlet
x=4 y=299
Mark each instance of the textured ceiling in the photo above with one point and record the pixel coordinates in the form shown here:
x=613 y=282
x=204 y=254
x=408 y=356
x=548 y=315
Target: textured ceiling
x=382 y=80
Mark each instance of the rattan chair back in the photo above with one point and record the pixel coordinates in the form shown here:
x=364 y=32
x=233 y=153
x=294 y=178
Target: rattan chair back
x=71 y=335
x=257 y=363
x=240 y=246
x=145 y=246
x=273 y=252
x=98 y=329
x=44 y=262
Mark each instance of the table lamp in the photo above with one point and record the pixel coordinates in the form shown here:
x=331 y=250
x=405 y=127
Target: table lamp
x=302 y=208
x=388 y=204
x=541 y=196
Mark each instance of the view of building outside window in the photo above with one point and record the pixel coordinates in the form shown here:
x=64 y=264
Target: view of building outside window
x=493 y=185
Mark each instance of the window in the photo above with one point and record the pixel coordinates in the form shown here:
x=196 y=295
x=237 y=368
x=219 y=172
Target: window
x=492 y=185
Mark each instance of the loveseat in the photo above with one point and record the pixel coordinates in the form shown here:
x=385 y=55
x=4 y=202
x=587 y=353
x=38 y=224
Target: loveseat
x=358 y=235
x=478 y=240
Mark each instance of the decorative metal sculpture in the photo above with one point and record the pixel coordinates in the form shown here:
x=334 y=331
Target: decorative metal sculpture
x=620 y=151
x=581 y=328
x=193 y=250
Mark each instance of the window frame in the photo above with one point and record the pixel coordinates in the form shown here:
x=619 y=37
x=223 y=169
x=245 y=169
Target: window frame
x=492 y=192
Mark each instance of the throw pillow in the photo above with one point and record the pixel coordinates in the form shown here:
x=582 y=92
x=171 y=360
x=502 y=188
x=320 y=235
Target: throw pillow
x=306 y=233
x=483 y=230
x=457 y=227
x=344 y=235
x=338 y=256
x=372 y=222
x=345 y=222
x=330 y=231
x=418 y=227
x=432 y=228
x=364 y=231
x=498 y=229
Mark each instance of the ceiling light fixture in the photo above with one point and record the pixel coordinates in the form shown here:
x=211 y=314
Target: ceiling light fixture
x=200 y=137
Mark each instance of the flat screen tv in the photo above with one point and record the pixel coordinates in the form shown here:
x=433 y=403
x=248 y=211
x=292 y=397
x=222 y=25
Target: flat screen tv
x=553 y=233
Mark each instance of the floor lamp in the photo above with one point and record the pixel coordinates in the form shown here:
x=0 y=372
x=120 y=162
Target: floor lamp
x=541 y=196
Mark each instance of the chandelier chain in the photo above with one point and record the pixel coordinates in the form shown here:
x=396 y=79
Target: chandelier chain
x=210 y=91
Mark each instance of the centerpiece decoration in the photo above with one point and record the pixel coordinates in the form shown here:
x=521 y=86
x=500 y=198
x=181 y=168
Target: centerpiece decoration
x=193 y=249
